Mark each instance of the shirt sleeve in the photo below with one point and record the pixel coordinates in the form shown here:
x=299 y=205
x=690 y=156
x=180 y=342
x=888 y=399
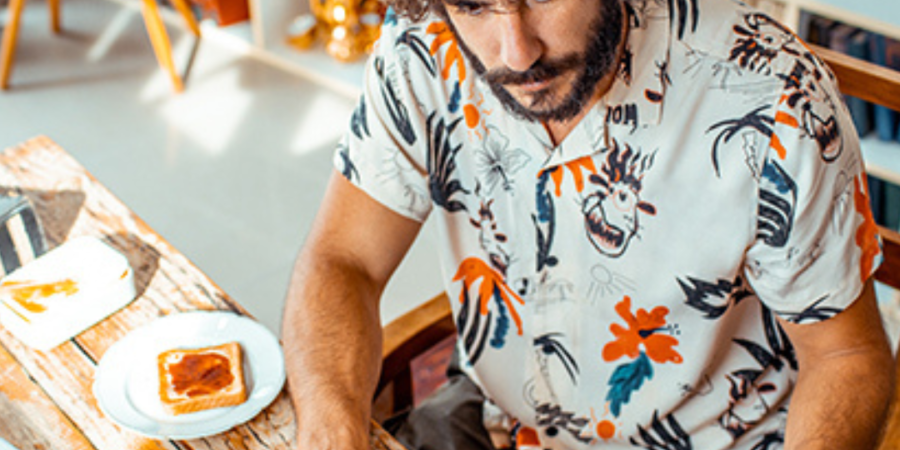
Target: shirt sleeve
x=816 y=242
x=381 y=153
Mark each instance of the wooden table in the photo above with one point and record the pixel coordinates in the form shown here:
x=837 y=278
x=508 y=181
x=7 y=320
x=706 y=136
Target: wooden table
x=45 y=397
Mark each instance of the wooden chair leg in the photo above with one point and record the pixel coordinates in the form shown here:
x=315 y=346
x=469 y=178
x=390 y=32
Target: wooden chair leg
x=160 y=41
x=10 y=35
x=54 y=15
x=182 y=7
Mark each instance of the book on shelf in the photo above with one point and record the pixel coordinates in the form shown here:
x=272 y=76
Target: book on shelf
x=816 y=29
x=854 y=42
x=885 y=51
x=891 y=208
x=876 y=197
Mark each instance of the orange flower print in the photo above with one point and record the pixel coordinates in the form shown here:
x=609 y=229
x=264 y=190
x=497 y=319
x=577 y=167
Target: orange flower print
x=867 y=233
x=641 y=332
x=444 y=35
x=557 y=173
x=474 y=269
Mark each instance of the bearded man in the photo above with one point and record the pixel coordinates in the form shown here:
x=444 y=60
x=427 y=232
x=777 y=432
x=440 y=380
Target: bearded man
x=654 y=225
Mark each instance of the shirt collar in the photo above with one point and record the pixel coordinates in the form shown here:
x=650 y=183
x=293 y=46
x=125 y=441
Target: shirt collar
x=635 y=100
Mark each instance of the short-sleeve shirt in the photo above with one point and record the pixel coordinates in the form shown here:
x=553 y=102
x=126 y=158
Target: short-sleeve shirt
x=620 y=289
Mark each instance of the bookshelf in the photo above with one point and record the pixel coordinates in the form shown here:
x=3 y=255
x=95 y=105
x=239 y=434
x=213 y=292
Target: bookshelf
x=264 y=36
x=878 y=16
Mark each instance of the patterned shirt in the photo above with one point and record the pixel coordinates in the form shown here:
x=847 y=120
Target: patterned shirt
x=620 y=289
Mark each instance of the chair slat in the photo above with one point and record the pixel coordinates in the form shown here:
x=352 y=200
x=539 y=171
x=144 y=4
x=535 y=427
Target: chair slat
x=863 y=79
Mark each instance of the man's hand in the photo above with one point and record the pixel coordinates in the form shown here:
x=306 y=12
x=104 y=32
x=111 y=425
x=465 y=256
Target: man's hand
x=331 y=328
x=845 y=382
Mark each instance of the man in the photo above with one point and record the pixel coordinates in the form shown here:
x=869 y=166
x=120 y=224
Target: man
x=655 y=225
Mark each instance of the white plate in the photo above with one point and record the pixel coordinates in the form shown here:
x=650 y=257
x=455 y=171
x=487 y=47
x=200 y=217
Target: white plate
x=126 y=385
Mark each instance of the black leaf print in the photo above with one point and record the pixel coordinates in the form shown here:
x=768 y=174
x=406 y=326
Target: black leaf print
x=770 y=441
x=714 y=299
x=673 y=438
x=549 y=345
x=544 y=220
x=732 y=127
x=686 y=12
x=415 y=43
x=553 y=416
x=759 y=353
x=813 y=313
x=358 y=122
x=442 y=164
x=396 y=108
x=349 y=171
x=471 y=343
x=780 y=349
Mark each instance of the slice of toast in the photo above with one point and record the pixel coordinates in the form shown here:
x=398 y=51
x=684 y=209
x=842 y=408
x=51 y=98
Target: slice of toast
x=192 y=380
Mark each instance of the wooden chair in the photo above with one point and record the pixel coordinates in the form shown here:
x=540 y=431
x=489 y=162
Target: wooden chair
x=431 y=324
x=155 y=28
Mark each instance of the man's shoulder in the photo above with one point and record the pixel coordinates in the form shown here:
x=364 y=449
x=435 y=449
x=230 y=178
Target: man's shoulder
x=400 y=32
x=734 y=33
x=410 y=46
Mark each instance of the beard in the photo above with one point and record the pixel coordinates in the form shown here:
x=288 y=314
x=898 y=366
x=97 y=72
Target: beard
x=597 y=61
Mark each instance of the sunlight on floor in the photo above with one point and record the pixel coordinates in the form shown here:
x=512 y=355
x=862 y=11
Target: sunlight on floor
x=321 y=125
x=113 y=30
x=203 y=113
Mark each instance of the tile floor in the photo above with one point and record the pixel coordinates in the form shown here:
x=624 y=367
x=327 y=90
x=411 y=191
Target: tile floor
x=230 y=171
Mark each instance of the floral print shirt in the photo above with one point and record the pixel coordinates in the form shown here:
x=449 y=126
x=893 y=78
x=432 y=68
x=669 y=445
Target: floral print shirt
x=619 y=290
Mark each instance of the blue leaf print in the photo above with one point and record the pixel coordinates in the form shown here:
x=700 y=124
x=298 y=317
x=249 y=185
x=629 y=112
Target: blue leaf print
x=454 y=98
x=626 y=379
x=502 y=327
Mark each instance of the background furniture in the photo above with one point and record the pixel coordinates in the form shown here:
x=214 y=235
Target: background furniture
x=46 y=399
x=417 y=345
x=155 y=28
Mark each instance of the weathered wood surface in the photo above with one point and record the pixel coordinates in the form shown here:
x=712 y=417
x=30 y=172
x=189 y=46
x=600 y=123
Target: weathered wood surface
x=45 y=397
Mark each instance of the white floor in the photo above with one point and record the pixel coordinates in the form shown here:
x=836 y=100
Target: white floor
x=230 y=171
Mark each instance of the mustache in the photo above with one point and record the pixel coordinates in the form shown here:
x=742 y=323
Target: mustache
x=540 y=71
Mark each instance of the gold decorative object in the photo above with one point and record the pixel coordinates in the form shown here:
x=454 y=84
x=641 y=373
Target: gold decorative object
x=348 y=28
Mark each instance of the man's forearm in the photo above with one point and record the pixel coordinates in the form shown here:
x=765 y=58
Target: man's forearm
x=332 y=343
x=841 y=403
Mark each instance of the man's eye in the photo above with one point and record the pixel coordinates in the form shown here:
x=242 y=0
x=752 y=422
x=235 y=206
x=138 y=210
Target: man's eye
x=469 y=8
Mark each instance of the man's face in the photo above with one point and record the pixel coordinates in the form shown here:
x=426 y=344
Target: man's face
x=542 y=58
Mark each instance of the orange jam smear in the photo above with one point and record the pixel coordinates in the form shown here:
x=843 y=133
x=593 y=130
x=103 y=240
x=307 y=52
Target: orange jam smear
x=201 y=374
x=28 y=293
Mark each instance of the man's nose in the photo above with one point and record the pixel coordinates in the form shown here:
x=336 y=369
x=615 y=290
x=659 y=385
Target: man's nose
x=520 y=47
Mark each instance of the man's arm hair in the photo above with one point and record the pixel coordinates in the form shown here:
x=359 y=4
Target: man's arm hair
x=846 y=380
x=331 y=328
